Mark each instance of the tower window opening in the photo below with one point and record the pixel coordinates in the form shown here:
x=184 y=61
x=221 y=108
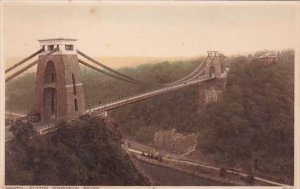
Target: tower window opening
x=76 y=105
x=50 y=47
x=50 y=73
x=74 y=84
x=52 y=101
x=69 y=47
x=53 y=77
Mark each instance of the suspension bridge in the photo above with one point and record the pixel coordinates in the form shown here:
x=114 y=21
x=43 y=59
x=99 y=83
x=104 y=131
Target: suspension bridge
x=59 y=93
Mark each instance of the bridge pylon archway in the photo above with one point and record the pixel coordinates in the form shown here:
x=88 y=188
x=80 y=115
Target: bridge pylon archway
x=59 y=90
x=50 y=103
x=214 y=67
x=212 y=71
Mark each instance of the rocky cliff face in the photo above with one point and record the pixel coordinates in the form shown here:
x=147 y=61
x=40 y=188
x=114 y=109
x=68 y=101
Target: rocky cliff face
x=173 y=141
x=211 y=92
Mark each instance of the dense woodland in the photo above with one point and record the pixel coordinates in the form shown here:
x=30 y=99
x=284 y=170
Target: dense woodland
x=82 y=152
x=252 y=127
x=99 y=88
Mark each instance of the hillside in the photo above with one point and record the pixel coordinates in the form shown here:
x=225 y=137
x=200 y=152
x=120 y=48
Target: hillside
x=82 y=152
x=250 y=129
x=253 y=126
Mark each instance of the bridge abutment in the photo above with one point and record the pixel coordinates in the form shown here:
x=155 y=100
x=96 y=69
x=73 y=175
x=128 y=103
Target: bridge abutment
x=210 y=92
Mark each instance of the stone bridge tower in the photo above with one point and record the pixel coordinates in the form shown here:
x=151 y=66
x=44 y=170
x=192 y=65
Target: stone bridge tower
x=58 y=90
x=215 y=69
x=213 y=90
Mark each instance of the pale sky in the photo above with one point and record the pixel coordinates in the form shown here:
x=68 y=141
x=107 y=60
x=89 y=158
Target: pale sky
x=150 y=29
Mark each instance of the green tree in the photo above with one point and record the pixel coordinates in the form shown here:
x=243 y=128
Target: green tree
x=23 y=132
x=80 y=152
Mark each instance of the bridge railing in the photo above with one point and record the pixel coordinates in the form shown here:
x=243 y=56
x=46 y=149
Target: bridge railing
x=136 y=98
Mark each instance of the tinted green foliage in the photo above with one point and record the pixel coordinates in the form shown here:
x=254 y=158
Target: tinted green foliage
x=142 y=119
x=82 y=152
x=252 y=127
x=23 y=132
x=19 y=93
x=172 y=110
x=99 y=88
x=164 y=112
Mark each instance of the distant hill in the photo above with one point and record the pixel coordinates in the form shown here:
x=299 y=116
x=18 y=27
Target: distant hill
x=114 y=62
x=119 y=62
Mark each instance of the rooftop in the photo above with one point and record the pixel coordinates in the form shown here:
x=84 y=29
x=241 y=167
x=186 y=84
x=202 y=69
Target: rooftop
x=268 y=54
x=57 y=39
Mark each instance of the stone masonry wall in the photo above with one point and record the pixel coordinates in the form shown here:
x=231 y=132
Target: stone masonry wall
x=173 y=141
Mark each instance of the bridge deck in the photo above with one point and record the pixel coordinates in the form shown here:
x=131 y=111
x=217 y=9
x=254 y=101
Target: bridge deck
x=135 y=98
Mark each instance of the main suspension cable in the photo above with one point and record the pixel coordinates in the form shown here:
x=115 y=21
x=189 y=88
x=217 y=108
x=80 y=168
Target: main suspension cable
x=27 y=67
x=106 y=73
x=24 y=60
x=106 y=67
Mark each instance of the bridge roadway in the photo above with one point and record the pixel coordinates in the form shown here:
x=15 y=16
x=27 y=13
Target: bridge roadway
x=14 y=115
x=45 y=127
x=143 y=96
x=41 y=127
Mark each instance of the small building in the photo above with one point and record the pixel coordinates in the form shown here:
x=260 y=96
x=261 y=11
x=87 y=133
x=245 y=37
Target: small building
x=269 y=58
x=173 y=141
